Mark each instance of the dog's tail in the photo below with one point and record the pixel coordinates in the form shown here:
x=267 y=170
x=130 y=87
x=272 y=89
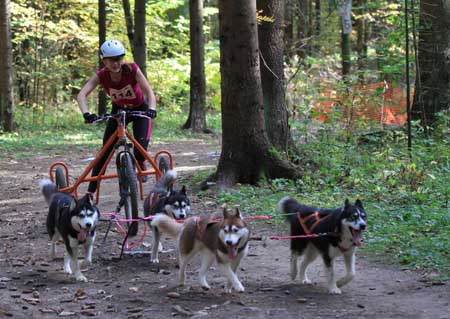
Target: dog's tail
x=288 y=207
x=167 y=180
x=167 y=225
x=48 y=188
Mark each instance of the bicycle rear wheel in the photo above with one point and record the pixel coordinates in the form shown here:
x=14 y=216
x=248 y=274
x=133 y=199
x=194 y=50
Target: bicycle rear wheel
x=128 y=189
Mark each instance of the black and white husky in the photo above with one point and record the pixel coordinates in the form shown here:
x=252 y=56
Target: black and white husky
x=343 y=227
x=221 y=237
x=163 y=199
x=74 y=221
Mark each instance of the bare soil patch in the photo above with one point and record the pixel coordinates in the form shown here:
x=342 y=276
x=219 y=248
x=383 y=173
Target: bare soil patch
x=32 y=286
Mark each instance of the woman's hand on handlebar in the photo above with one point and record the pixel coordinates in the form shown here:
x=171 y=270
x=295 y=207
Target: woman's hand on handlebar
x=89 y=118
x=94 y=118
x=151 y=113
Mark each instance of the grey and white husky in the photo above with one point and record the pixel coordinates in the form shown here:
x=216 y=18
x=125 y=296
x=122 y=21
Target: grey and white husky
x=75 y=222
x=163 y=199
x=343 y=228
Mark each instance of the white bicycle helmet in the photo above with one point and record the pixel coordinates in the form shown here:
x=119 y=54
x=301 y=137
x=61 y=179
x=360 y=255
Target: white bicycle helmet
x=112 y=48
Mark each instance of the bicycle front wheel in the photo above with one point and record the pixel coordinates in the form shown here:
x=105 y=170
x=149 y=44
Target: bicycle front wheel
x=128 y=189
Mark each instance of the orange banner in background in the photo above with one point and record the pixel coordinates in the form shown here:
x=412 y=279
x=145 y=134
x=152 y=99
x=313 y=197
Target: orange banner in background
x=378 y=102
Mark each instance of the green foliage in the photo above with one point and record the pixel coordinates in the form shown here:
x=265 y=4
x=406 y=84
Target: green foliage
x=55 y=47
x=408 y=201
x=65 y=129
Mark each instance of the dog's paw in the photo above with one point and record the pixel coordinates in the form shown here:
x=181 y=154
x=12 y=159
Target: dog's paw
x=67 y=269
x=205 y=287
x=334 y=291
x=81 y=277
x=306 y=281
x=239 y=288
x=154 y=260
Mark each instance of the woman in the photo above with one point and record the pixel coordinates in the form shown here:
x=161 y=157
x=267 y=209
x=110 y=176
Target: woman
x=129 y=89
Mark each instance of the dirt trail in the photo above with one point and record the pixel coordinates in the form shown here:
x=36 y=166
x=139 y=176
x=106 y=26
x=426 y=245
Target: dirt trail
x=31 y=286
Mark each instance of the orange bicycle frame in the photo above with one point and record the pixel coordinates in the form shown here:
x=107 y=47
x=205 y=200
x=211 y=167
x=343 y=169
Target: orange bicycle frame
x=119 y=134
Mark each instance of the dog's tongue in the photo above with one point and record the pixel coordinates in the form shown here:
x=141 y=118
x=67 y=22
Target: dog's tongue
x=232 y=251
x=82 y=235
x=356 y=237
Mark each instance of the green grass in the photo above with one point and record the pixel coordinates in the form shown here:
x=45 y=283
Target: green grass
x=407 y=201
x=65 y=130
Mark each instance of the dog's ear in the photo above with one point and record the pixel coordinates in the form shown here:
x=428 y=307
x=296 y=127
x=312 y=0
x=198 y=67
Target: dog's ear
x=238 y=213
x=89 y=198
x=183 y=190
x=358 y=203
x=225 y=212
x=347 y=203
x=73 y=204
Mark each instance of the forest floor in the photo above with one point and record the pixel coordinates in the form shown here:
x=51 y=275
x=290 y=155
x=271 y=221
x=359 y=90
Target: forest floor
x=32 y=286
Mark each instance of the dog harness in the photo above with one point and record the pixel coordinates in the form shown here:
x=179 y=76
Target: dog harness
x=310 y=218
x=310 y=229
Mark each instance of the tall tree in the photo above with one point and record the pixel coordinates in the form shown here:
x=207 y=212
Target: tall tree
x=197 y=105
x=6 y=68
x=434 y=61
x=317 y=18
x=139 y=44
x=246 y=150
x=129 y=23
x=272 y=72
x=101 y=39
x=289 y=28
x=345 y=9
x=303 y=29
x=362 y=34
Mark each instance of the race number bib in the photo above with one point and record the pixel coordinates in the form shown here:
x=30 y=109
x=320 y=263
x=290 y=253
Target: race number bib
x=126 y=93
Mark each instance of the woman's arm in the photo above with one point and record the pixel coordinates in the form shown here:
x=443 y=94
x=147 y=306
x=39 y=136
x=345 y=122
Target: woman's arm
x=90 y=85
x=146 y=89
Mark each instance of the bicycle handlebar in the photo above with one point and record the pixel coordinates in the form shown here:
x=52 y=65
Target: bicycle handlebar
x=106 y=116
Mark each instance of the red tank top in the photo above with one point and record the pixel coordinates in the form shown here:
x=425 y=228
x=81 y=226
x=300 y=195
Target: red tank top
x=127 y=92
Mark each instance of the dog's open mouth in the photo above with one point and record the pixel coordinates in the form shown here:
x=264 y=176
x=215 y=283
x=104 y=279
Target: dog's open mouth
x=232 y=251
x=356 y=236
x=82 y=234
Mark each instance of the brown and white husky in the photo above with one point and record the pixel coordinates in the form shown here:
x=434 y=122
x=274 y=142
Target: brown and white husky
x=220 y=236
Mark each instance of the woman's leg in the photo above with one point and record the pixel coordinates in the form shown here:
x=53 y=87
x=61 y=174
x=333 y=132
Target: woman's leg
x=109 y=130
x=142 y=131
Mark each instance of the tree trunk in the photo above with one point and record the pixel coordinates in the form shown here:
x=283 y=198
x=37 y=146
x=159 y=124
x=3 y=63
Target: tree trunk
x=139 y=44
x=101 y=39
x=434 y=61
x=361 y=41
x=303 y=29
x=288 y=28
x=317 y=21
x=272 y=73
x=197 y=114
x=345 y=13
x=246 y=150
x=6 y=70
x=129 y=24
